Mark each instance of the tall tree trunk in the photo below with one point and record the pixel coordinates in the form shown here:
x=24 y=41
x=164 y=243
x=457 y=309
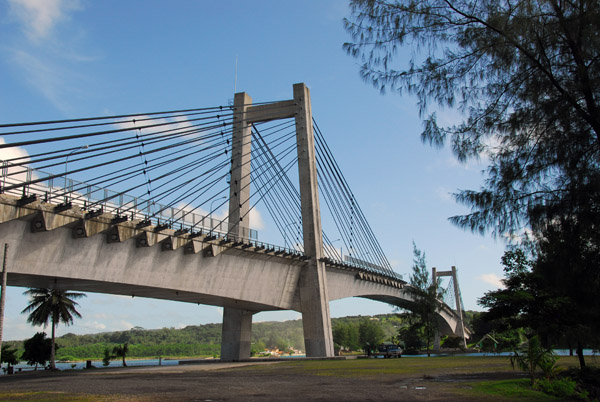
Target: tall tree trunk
x=580 y=355
x=52 y=354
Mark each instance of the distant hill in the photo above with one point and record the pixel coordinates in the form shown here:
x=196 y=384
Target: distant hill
x=195 y=340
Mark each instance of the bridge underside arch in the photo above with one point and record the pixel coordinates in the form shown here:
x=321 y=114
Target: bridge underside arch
x=345 y=286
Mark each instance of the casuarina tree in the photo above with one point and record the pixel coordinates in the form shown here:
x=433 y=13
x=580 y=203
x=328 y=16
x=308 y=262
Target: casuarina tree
x=526 y=77
x=426 y=294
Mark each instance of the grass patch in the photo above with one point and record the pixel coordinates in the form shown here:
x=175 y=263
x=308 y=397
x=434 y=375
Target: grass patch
x=406 y=367
x=519 y=389
x=53 y=396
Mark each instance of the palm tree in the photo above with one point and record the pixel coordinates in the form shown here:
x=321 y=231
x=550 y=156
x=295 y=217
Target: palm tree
x=121 y=351
x=53 y=305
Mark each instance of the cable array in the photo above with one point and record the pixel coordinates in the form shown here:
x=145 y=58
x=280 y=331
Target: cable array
x=362 y=247
x=173 y=169
x=162 y=167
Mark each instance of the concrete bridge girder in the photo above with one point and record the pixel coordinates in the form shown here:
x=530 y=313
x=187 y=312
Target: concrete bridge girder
x=236 y=278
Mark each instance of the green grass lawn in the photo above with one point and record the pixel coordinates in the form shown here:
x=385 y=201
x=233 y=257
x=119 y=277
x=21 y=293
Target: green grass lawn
x=409 y=366
x=439 y=371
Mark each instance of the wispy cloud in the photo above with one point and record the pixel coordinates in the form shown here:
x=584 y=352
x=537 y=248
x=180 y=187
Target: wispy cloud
x=444 y=194
x=492 y=279
x=48 y=55
x=39 y=17
x=48 y=78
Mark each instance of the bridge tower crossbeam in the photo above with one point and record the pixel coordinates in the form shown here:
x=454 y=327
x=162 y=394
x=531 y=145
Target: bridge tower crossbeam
x=460 y=330
x=312 y=284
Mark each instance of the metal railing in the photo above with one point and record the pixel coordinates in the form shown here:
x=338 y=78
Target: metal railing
x=62 y=190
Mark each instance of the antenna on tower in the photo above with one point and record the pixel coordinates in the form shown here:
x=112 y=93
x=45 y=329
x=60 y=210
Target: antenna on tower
x=235 y=80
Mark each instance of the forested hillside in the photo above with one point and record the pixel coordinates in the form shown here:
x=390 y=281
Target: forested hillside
x=195 y=340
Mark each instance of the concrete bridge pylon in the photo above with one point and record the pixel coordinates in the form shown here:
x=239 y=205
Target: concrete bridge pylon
x=312 y=283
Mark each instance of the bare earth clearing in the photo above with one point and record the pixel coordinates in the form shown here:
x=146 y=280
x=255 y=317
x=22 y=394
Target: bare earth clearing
x=406 y=379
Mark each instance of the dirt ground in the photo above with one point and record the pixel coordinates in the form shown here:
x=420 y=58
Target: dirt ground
x=233 y=382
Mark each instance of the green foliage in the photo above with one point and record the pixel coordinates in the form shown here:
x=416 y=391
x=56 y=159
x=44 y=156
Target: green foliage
x=66 y=358
x=9 y=355
x=527 y=77
x=201 y=341
x=513 y=390
x=568 y=268
x=54 y=306
x=553 y=294
x=560 y=387
x=121 y=351
x=426 y=295
x=412 y=338
x=370 y=334
x=452 y=342
x=530 y=355
x=37 y=349
x=346 y=336
x=107 y=357
x=257 y=348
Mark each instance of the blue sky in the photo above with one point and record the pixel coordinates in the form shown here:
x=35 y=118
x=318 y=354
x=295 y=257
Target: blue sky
x=75 y=58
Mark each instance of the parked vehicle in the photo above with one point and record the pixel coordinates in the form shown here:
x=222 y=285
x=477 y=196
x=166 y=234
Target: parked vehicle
x=389 y=350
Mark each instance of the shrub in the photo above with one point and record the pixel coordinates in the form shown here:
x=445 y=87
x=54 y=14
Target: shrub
x=562 y=388
x=106 y=358
x=453 y=342
x=531 y=355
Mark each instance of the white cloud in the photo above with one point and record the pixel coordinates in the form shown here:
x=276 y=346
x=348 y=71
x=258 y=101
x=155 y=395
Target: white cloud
x=444 y=193
x=54 y=81
x=175 y=125
x=13 y=173
x=219 y=214
x=122 y=325
x=256 y=220
x=17 y=328
x=7 y=154
x=94 y=325
x=492 y=279
x=39 y=17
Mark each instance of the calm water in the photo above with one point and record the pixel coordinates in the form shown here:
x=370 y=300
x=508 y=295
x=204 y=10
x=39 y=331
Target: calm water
x=98 y=364
x=559 y=352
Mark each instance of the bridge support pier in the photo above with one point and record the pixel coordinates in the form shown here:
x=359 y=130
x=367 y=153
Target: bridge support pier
x=312 y=284
x=437 y=341
x=314 y=300
x=236 y=334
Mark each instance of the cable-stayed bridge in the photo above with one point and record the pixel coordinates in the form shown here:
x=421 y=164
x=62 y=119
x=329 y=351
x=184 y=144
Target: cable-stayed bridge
x=132 y=205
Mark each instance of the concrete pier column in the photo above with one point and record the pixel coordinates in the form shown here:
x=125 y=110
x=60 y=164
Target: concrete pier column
x=312 y=285
x=436 y=341
x=460 y=330
x=236 y=334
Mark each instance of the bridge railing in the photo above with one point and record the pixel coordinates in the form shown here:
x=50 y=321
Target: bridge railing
x=61 y=190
